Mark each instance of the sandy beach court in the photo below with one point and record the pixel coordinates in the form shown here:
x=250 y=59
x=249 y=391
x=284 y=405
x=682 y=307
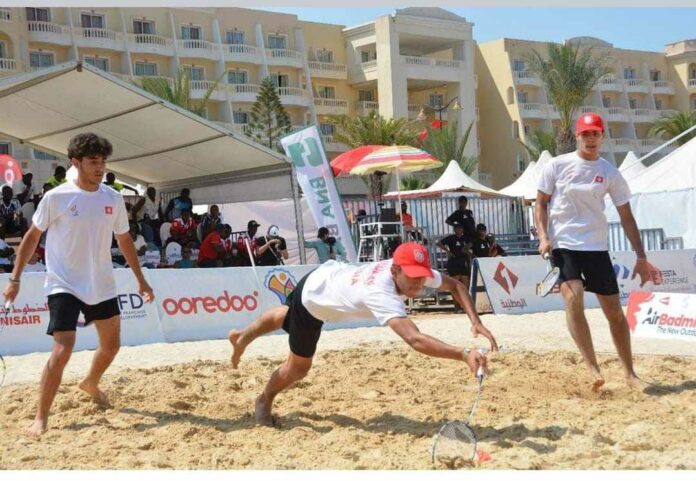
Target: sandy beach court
x=369 y=403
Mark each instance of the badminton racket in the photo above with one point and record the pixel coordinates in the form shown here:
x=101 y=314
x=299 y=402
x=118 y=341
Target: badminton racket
x=547 y=284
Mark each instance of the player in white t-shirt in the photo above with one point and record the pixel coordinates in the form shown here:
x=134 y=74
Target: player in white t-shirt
x=573 y=231
x=336 y=292
x=81 y=217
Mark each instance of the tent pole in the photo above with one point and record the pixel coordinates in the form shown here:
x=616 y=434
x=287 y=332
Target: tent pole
x=299 y=225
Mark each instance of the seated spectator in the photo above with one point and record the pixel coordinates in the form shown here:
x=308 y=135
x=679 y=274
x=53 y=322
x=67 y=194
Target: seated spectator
x=211 y=221
x=496 y=249
x=23 y=189
x=178 y=204
x=184 y=229
x=248 y=237
x=216 y=249
x=405 y=217
x=138 y=241
x=117 y=186
x=57 y=179
x=327 y=247
x=148 y=211
x=11 y=212
x=6 y=252
x=480 y=245
x=35 y=264
x=186 y=262
x=271 y=249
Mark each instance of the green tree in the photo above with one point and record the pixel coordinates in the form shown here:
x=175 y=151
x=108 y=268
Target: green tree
x=374 y=129
x=413 y=183
x=538 y=142
x=179 y=91
x=445 y=145
x=673 y=125
x=269 y=121
x=569 y=73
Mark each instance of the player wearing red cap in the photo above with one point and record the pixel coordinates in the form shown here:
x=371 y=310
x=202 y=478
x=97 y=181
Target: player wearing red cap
x=336 y=292
x=573 y=230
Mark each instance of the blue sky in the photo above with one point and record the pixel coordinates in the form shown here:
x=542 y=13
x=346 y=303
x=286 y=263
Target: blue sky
x=625 y=27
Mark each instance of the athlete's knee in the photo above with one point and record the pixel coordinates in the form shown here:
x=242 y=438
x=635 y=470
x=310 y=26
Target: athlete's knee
x=298 y=370
x=111 y=347
x=573 y=294
x=61 y=353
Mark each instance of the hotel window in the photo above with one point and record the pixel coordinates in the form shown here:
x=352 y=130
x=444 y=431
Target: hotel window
x=629 y=73
x=325 y=56
x=240 y=117
x=99 y=62
x=195 y=73
x=526 y=129
x=3 y=50
x=364 y=56
x=236 y=77
x=326 y=129
x=519 y=65
x=327 y=92
x=658 y=104
x=235 y=38
x=40 y=59
x=144 y=27
x=632 y=103
x=189 y=32
x=365 y=95
x=92 y=20
x=655 y=75
x=515 y=129
x=520 y=163
x=38 y=15
x=280 y=80
x=436 y=100
x=39 y=155
x=606 y=102
x=522 y=97
x=5 y=148
x=145 y=69
x=277 y=42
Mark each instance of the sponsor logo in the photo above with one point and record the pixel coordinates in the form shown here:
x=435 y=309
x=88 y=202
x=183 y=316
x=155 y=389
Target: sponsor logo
x=20 y=320
x=418 y=256
x=505 y=278
x=281 y=283
x=622 y=272
x=665 y=301
x=599 y=179
x=73 y=210
x=211 y=305
x=108 y=210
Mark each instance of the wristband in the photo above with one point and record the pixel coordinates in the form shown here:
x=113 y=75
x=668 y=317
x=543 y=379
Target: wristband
x=465 y=354
x=641 y=259
x=14 y=281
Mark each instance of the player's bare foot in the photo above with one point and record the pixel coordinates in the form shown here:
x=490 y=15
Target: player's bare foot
x=37 y=428
x=597 y=383
x=262 y=411
x=634 y=382
x=237 y=347
x=95 y=393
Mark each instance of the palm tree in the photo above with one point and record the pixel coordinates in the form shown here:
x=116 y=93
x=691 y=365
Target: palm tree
x=413 y=183
x=673 y=125
x=538 y=142
x=179 y=91
x=444 y=145
x=374 y=130
x=569 y=75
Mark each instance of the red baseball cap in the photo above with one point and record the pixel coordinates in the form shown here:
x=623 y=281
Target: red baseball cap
x=413 y=258
x=589 y=121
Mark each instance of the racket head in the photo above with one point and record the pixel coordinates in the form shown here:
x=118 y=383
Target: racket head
x=455 y=444
x=547 y=284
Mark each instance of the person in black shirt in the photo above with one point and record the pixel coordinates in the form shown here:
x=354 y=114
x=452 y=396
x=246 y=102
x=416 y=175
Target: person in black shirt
x=458 y=253
x=481 y=246
x=463 y=217
x=496 y=249
x=271 y=249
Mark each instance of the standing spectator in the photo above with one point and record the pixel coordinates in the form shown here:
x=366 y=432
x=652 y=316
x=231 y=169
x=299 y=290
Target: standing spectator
x=211 y=221
x=458 y=254
x=148 y=211
x=23 y=190
x=480 y=246
x=496 y=249
x=250 y=237
x=117 y=186
x=185 y=262
x=57 y=178
x=271 y=249
x=11 y=212
x=177 y=204
x=327 y=247
x=216 y=249
x=464 y=217
x=184 y=229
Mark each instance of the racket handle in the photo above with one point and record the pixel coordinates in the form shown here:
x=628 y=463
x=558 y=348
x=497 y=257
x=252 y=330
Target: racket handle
x=546 y=256
x=8 y=304
x=479 y=372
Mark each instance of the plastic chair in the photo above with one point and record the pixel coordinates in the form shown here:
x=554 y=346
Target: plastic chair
x=173 y=252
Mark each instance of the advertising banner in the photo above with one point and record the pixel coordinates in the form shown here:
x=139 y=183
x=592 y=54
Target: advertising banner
x=664 y=315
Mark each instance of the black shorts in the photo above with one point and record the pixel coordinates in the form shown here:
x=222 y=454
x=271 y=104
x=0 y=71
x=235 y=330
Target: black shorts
x=593 y=268
x=65 y=308
x=304 y=329
x=458 y=266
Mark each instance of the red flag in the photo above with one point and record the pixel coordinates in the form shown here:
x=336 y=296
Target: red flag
x=10 y=170
x=437 y=124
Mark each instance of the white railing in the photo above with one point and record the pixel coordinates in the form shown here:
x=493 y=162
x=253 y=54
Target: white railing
x=368 y=65
x=410 y=60
x=241 y=128
x=197 y=44
x=283 y=53
x=139 y=79
x=244 y=88
x=636 y=82
x=239 y=48
x=47 y=27
x=414 y=108
x=664 y=84
x=532 y=107
x=667 y=112
x=644 y=112
x=692 y=82
x=334 y=103
x=649 y=143
x=448 y=63
x=202 y=84
x=294 y=91
x=617 y=111
x=149 y=39
x=586 y=109
x=100 y=33
x=5 y=14
x=610 y=81
x=524 y=74
x=625 y=143
x=367 y=105
x=327 y=67
x=8 y=64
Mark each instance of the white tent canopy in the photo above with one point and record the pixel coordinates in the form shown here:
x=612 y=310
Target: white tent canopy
x=526 y=184
x=675 y=171
x=631 y=166
x=155 y=142
x=452 y=179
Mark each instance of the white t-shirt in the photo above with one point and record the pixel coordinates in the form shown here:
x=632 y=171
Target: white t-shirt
x=80 y=225
x=338 y=292
x=139 y=242
x=150 y=208
x=576 y=212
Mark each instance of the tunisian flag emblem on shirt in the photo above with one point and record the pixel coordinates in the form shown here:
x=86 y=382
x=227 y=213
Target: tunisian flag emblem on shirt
x=599 y=179
x=108 y=210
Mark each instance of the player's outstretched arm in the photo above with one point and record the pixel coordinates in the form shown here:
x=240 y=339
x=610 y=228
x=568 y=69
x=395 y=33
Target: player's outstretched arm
x=461 y=295
x=125 y=243
x=430 y=346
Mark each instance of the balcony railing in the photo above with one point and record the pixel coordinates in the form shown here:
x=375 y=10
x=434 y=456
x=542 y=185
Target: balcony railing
x=364 y=107
x=294 y=91
x=327 y=67
x=194 y=44
x=692 y=82
x=369 y=65
x=533 y=109
x=645 y=113
x=244 y=88
x=636 y=84
x=203 y=84
x=149 y=39
x=9 y=64
x=242 y=49
x=610 y=81
x=623 y=144
x=99 y=33
x=617 y=113
x=47 y=27
x=331 y=106
x=526 y=77
x=663 y=84
x=5 y=15
x=667 y=112
x=284 y=56
x=430 y=62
